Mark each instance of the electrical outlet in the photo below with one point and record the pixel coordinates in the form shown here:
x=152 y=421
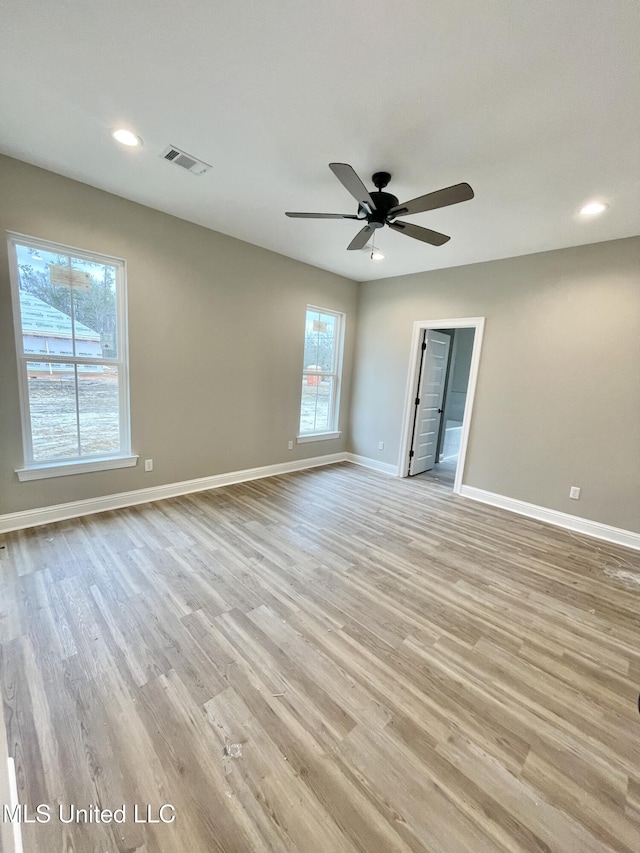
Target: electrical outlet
x=381 y=445
x=148 y=464
x=574 y=493
x=290 y=445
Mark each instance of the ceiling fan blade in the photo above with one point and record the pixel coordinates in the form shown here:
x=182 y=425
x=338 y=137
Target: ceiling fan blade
x=321 y=215
x=431 y=201
x=351 y=182
x=434 y=238
x=361 y=239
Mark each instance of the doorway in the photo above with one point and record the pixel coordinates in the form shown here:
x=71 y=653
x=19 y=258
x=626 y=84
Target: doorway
x=443 y=369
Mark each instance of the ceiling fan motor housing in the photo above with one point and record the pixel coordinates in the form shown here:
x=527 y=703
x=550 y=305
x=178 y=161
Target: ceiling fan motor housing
x=383 y=202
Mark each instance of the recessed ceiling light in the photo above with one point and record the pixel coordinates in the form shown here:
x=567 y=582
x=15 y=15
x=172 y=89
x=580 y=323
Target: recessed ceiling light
x=377 y=255
x=593 y=208
x=126 y=137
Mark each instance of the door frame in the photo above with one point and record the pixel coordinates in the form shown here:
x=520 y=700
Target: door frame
x=419 y=327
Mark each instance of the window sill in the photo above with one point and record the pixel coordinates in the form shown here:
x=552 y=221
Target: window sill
x=63 y=469
x=317 y=436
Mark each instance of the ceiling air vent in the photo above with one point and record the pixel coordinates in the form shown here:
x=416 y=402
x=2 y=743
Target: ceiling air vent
x=186 y=161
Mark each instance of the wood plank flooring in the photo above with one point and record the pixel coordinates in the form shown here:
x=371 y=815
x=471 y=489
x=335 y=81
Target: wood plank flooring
x=326 y=662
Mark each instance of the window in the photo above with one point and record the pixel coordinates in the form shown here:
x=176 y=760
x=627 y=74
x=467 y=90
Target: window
x=321 y=374
x=70 y=322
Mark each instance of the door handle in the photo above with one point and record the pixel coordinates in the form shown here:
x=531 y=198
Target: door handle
x=440 y=411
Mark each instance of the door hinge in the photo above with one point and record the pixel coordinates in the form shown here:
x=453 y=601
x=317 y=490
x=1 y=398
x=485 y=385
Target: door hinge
x=424 y=346
x=411 y=454
x=417 y=401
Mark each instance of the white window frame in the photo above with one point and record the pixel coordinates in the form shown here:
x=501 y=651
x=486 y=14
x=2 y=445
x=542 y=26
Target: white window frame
x=122 y=458
x=336 y=374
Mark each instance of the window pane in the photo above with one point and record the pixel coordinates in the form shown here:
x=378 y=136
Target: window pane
x=48 y=283
x=45 y=308
x=94 y=309
x=315 y=413
x=52 y=405
x=98 y=404
x=68 y=316
x=320 y=341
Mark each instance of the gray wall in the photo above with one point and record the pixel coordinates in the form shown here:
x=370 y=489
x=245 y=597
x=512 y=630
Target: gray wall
x=227 y=397
x=558 y=395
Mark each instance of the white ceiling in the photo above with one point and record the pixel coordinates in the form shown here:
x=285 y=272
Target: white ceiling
x=535 y=104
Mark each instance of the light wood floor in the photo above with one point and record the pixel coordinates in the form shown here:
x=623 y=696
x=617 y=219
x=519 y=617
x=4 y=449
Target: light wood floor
x=403 y=670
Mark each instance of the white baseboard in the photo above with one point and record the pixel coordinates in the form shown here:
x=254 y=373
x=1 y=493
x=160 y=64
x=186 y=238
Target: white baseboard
x=366 y=462
x=14 y=802
x=560 y=519
x=8 y=794
x=61 y=512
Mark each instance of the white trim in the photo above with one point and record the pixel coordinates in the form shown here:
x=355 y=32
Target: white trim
x=366 y=462
x=617 y=535
x=121 y=362
x=317 y=436
x=60 y=512
x=419 y=326
x=14 y=801
x=335 y=374
x=64 y=469
x=7 y=778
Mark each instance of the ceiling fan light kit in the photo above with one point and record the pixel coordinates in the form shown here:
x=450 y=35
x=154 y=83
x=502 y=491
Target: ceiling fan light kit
x=381 y=208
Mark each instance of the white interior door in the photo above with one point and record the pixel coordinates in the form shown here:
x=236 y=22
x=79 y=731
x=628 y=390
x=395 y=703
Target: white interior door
x=429 y=402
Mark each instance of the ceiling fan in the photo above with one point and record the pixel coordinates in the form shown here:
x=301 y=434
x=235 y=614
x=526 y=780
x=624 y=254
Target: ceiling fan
x=381 y=208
